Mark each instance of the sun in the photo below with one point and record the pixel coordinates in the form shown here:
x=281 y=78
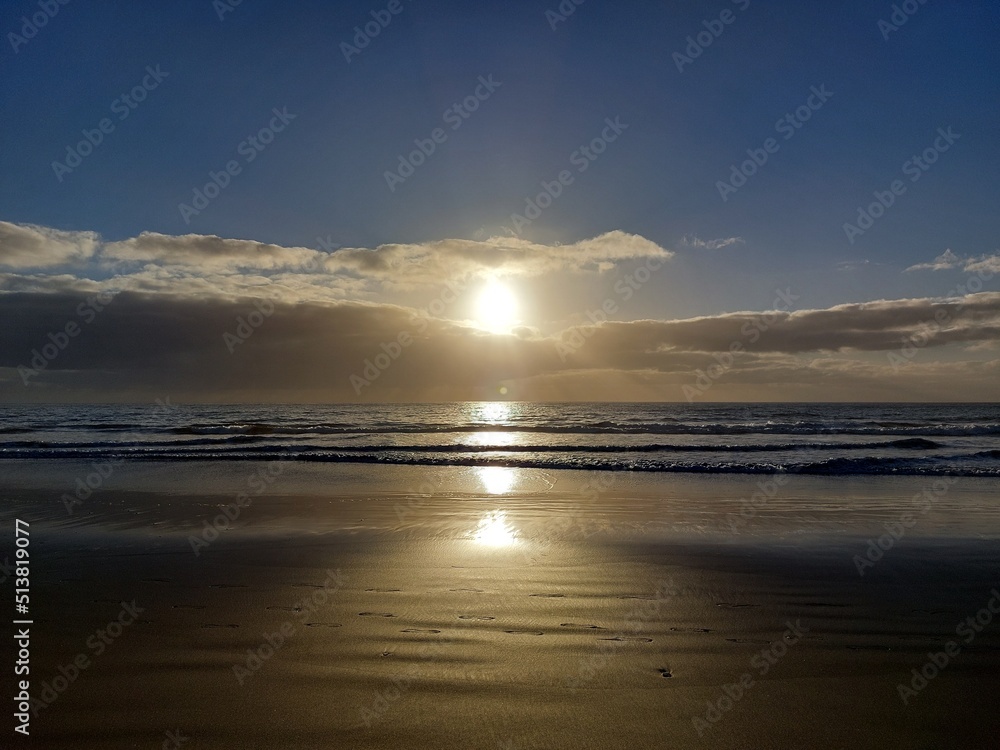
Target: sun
x=496 y=308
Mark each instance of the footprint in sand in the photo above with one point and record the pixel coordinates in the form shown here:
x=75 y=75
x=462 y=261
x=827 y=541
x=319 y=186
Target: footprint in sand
x=629 y=639
x=578 y=625
x=524 y=632
x=475 y=617
x=323 y=625
x=665 y=672
x=420 y=630
x=375 y=614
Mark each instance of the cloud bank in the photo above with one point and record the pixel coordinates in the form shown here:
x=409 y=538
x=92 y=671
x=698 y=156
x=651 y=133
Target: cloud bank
x=210 y=319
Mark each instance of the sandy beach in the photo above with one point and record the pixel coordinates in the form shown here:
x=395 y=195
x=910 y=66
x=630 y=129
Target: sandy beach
x=399 y=608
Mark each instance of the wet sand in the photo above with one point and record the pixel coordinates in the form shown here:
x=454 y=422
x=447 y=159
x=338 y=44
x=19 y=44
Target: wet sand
x=348 y=609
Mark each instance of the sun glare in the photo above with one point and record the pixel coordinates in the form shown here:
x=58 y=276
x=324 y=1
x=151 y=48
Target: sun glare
x=496 y=308
x=496 y=480
x=494 y=531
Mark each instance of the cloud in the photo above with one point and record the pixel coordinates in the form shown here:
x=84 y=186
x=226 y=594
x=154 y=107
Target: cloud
x=186 y=320
x=718 y=244
x=151 y=261
x=402 y=264
x=207 y=252
x=201 y=348
x=986 y=264
x=433 y=262
x=943 y=262
x=767 y=341
x=949 y=260
x=857 y=265
x=30 y=246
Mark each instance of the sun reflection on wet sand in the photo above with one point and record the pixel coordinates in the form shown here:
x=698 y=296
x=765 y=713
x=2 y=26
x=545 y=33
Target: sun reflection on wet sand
x=494 y=531
x=496 y=480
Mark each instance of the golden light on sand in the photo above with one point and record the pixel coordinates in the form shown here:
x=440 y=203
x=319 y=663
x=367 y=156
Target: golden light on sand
x=496 y=308
x=494 y=531
x=496 y=480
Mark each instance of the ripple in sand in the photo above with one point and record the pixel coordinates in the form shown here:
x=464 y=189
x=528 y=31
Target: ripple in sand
x=475 y=617
x=375 y=614
x=756 y=641
x=549 y=596
x=629 y=639
x=524 y=632
x=228 y=586
x=188 y=606
x=382 y=591
x=323 y=625
x=216 y=625
x=728 y=605
x=285 y=609
x=420 y=630
x=578 y=625
x=472 y=591
x=691 y=630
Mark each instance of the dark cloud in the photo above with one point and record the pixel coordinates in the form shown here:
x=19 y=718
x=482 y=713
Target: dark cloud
x=209 y=348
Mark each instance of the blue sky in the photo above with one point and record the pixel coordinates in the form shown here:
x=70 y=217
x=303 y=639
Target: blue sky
x=324 y=174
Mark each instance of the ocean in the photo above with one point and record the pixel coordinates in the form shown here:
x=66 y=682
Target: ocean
x=819 y=439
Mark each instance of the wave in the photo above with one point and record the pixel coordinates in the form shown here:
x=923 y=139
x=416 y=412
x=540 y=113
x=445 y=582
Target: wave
x=868 y=465
x=599 y=428
x=734 y=424
x=986 y=454
x=912 y=444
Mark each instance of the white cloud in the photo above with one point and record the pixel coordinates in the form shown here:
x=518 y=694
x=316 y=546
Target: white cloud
x=30 y=246
x=949 y=260
x=717 y=244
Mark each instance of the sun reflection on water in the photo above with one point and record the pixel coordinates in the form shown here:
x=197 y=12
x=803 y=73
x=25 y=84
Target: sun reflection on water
x=493 y=411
